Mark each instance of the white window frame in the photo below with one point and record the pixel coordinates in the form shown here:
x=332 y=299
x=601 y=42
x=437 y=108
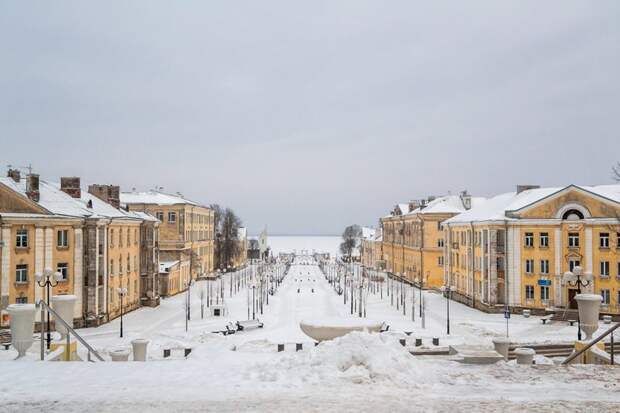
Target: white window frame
x=529 y=239
x=21 y=238
x=544 y=239
x=21 y=273
x=603 y=240
x=544 y=293
x=604 y=267
x=606 y=294
x=529 y=292
x=573 y=240
x=529 y=266
x=172 y=217
x=63 y=268
x=62 y=238
x=544 y=266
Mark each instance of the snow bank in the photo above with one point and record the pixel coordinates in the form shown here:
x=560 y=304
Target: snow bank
x=355 y=358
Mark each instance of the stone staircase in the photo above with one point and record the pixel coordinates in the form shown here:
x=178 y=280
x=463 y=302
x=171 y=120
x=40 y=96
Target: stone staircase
x=557 y=350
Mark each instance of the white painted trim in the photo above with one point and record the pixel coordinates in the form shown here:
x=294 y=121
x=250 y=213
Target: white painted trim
x=78 y=276
x=5 y=269
x=567 y=207
x=557 y=249
x=589 y=249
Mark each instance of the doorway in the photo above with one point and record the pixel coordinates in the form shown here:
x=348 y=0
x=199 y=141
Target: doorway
x=572 y=303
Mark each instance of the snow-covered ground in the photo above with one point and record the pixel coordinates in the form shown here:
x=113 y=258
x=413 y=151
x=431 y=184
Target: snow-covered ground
x=318 y=243
x=360 y=372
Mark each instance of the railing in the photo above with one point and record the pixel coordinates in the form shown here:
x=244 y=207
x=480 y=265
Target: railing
x=593 y=342
x=45 y=307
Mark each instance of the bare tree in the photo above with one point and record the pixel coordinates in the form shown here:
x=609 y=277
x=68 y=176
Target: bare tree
x=350 y=240
x=616 y=171
x=227 y=245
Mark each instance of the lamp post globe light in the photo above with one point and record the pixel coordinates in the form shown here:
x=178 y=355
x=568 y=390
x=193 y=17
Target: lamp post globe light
x=575 y=278
x=122 y=292
x=48 y=280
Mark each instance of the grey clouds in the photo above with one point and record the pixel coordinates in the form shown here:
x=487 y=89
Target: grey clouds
x=309 y=116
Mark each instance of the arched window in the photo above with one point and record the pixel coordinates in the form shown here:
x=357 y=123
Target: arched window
x=572 y=215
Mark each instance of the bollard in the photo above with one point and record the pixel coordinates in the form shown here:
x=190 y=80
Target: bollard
x=525 y=355
x=119 y=355
x=298 y=347
x=502 y=345
x=435 y=341
x=316 y=343
x=166 y=353
x=418 y=342
x=280 y=348
x=403 y=342
x=139 y=346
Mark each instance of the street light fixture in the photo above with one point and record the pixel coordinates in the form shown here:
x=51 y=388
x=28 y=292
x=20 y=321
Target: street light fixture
x=122 y=292
x=447 y=290
x=48 y=279
x=574 y=279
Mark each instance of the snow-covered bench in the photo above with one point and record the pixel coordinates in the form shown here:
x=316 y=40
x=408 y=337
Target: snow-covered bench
x=168 y=351
x=572 y=322
x=384 y=328
x=546 y=318
x=249 y=324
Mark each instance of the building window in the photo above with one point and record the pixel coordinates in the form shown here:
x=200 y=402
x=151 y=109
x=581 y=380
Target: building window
x=111 y=267
x=128 y=264
x=573 y=239
x=440 y=243
x=529 y=266
x=111 y=238
x=572 y=263
x=529 y=239
x=603 y=240
x=529 y=292
x=21 y=273
x=128 y=237
x=544 y=266
x=172 y=217
x=544 y=239
x=618 y=240
x=606 y=296
x=63 y=269
x=120 y=265
x=160 y=216
x=135 y=236
x=440 y=260
x=544 y=293
x=21 y=240
x=120 y=237
x=62 y=238
x=604 y=268
x=618 y=276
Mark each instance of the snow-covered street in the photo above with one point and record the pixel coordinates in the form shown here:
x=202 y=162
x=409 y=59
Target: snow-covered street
x=359 y=372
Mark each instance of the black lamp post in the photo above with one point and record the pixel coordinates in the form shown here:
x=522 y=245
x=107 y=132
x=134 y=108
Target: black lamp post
x=48 y=279
x=122 y=292
x=573 y=278
x=447 y=290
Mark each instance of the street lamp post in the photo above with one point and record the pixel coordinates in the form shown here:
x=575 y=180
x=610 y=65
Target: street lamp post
x=122 y=292
x=574 y=279
x=48 y=279
x=447 y=290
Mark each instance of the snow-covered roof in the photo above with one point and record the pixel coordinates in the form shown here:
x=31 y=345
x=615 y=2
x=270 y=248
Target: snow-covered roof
x=164 y=266
x=153 y=197
x=368 y=233
x=58 y=202
x=495 y=208
x=450 y=204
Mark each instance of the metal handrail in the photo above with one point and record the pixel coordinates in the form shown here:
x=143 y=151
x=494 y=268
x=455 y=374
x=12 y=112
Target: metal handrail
x=70 y=329
x=593 y=342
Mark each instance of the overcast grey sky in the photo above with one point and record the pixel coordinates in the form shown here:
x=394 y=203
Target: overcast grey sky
x=306 y=117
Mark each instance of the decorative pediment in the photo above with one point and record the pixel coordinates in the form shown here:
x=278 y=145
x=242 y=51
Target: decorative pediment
x=570 y=203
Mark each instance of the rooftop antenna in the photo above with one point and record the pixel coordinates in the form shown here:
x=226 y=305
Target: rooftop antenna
x=29 y=167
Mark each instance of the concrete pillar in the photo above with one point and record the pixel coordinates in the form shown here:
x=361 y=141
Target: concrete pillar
x=78 y=276
x=589 y=256
x=5 y=267
x=49 y=240
x=557 y=287
x=104 y=270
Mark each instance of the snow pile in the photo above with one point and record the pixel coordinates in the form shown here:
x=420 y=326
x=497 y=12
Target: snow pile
x=357 y=358
x=257 y=346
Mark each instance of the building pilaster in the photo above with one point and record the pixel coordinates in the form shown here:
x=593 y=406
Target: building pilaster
x=5 y=268
x=78 y=279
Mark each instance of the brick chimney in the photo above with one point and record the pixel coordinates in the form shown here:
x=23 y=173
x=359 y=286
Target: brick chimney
x=14 y=174
x=413 y=205
x=71 y=186
x=107 y=193
x=521 y=188
x=32 y=187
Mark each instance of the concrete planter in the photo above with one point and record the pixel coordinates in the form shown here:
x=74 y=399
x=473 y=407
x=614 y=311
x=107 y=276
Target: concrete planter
x=64 y=306
x=119 y=355
x=139 y=349
x=22 y=326
x=502 y=345
x=525 y=355
x=607 y=319
x=589 y=308
x=527 y=313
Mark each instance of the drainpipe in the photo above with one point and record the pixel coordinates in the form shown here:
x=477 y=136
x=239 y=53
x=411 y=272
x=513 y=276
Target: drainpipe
x=506 y=266
x=421 y=250
x=472 y=266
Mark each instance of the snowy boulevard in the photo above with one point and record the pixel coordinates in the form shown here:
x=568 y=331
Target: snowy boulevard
x=360 y=372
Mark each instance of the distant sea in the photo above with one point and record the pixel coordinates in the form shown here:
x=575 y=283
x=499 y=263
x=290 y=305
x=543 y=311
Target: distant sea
x=318 y=243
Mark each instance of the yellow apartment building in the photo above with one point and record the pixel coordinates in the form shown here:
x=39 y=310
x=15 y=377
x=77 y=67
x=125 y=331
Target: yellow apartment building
x=94 y=245
x=413 y=237
x=186 y=229
x=514 y=249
